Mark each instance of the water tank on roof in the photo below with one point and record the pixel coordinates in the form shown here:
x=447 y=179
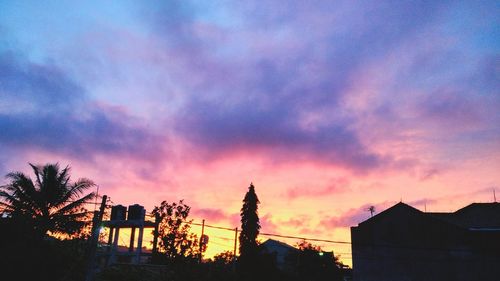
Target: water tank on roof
x=118 y=212
x=135 y=212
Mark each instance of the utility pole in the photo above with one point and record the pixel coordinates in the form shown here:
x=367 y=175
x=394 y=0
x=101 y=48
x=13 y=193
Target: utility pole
x=202 y=239
x=235 y=246
x=91 y=250
x=155 y=235
x=235 y=242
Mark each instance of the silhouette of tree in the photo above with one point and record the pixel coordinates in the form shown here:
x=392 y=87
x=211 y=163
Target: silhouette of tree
x=51 y=203
x=312 y=263
x=221 y=267
x=250 y=227
x=176 y=240
x=31 y=209
x=224 y=258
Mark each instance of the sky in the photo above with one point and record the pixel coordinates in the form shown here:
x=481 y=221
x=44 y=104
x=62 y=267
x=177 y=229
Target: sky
x=328 y=107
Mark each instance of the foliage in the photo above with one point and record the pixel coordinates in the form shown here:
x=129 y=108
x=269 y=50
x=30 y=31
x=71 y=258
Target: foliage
x=221 y=267
x=250 y=227
x=315 y=264
x=224 y=258
x=176 y=240
x=305 y=246
x=51 y=203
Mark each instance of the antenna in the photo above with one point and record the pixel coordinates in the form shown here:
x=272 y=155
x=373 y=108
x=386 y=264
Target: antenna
x=494 y=195
x=371 y=209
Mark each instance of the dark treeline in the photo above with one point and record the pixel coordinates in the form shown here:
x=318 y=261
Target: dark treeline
x=45 y=229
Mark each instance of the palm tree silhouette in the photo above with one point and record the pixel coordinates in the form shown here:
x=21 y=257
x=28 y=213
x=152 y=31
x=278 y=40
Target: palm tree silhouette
x=51 y=203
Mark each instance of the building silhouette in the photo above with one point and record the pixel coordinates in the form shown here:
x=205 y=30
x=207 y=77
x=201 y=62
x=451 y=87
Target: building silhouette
x=282 y=253
x=405 y=244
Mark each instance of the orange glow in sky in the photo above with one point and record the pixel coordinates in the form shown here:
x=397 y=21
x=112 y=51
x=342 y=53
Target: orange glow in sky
x=327 y=108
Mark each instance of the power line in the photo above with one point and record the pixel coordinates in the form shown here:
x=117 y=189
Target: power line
x=220 y=244
x=212 y=226
x=223 y=238
x=345 y=242
x=304 y=238
x=276 y=235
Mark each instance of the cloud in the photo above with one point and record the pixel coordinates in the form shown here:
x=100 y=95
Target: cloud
x=353 y=216
x=430 y=173
x=336 y=85
x=217 y=130
x=272 y=89
x=210 y=214
x=34 y=87
x=335 y=186
x=423 y=202
x=42 y=108
x=267 y=224
x=427 y=203
x=450 y=106
x=296 y=222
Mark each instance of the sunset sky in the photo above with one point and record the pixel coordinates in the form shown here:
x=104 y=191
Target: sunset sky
x=328 y=107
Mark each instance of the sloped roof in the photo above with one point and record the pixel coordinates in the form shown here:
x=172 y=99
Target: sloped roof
x=474 y=216
x=271 y=243
x=399 y=207
x=477 y=216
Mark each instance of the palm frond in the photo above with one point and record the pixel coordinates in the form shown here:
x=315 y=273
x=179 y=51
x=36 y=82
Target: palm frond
x=22 y=186
x=20 y=190
x=75 y=191
x=51 y=187
x=64 y=177
x=36 y=170
x=46 y=202
x=76 y=204
x=6 y=207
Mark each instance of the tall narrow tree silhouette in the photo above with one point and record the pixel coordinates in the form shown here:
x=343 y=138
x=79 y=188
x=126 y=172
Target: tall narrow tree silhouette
x=250 y=227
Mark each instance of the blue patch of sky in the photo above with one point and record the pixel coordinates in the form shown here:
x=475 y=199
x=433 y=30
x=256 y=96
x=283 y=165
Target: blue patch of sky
x=41 y=28
x=475 y=26
x=217 y=12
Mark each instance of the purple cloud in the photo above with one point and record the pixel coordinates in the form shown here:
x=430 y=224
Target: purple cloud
x=210 y=214
x=357 y=85
x=43 y=108
x=218 y=130
x=353 y=216
x=275 y=94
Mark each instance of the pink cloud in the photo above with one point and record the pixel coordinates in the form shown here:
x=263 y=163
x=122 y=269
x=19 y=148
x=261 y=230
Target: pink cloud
x=336 y=186
x=295 y=222
x=267 y=224
x=353 y=216
x=212 y=215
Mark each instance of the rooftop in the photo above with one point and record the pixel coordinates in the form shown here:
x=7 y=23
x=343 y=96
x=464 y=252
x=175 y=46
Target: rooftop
x=476 y=216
